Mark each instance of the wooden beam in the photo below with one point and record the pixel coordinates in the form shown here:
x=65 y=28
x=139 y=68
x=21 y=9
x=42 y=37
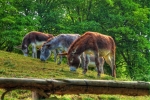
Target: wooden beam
x=44 y=87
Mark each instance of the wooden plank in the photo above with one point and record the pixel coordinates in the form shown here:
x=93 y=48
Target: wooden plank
x=42 y=87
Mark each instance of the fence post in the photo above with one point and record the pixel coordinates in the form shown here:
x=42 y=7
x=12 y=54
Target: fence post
x=39 y=94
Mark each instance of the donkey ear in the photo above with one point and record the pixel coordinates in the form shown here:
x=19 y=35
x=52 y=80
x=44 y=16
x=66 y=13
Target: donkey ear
x=63 y=54
x=18 y=47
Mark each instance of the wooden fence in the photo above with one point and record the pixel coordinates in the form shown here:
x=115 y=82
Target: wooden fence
x=42 y=88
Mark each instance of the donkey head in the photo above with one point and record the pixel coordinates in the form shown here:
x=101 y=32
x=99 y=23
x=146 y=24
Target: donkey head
x=73 y=59
x=45 y=52
x=25 y=50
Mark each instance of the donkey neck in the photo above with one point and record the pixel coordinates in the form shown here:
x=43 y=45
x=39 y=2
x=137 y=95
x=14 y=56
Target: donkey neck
x=77 y=49
x=82 y=44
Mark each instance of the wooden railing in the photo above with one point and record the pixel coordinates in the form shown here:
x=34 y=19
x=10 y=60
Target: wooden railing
x=42 y=88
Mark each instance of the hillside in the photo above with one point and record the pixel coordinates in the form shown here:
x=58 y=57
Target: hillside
x=18 y=66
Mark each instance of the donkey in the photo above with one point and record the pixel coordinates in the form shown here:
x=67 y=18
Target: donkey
x=60 y=42
x=35 y=39
x=92 y=42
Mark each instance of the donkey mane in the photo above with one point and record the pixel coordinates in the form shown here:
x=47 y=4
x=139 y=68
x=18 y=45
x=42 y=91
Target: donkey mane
x=79 y=42
x=76 y=42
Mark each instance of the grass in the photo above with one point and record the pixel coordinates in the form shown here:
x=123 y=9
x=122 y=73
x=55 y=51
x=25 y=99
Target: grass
x=16 y=65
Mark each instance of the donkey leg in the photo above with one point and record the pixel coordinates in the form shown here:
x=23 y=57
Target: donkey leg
x=34 y=52
x=97 y=63
x=82 y=60
x=86 y=62
x=113 y=66
x=60 y=58
x=101 y=59
x=111 y=62
x=55 y=54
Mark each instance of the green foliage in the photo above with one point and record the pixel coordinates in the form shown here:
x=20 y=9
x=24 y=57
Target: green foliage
x=82 y=27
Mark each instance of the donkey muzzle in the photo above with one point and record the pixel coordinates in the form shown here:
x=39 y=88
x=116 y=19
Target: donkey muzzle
x=42 y=58
x=25 y=55
x=72 y=68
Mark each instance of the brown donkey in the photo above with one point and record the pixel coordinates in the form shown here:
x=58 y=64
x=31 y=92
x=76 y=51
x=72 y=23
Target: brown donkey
x=35 y=39
x=92 y=42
